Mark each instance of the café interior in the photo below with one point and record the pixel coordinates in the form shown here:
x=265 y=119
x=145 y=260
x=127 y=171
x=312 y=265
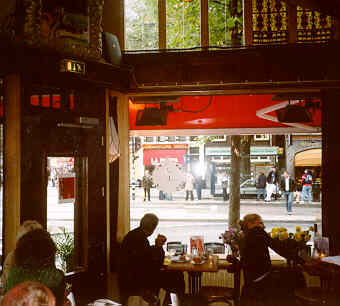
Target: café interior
x=57 y=98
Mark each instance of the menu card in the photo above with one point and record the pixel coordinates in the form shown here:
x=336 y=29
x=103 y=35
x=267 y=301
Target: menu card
x=335 y=260
x=197 y=242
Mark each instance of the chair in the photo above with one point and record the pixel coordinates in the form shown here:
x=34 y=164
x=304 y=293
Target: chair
x=178 y=246
x=323 y=295
x=228 y=295
x=214 y=247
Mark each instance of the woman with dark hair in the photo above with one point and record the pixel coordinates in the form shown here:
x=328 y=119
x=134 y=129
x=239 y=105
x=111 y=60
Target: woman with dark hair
x=35 y=261
x=262 y=284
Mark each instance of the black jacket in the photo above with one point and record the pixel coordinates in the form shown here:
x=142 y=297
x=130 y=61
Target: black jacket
x=139 y=263
x=255 y=258
x=292 y=185
x=261 y=181
x=269 y=177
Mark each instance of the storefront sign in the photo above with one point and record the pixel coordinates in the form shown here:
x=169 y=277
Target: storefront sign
x=66 y=189
x=253 y=151
x=156 y=157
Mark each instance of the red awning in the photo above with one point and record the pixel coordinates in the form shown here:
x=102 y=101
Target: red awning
x=155 y=157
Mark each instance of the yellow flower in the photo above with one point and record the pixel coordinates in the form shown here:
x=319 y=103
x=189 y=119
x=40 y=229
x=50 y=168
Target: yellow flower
x=307 y=238
x=275 y=234
x=274 y=230
x=298 y=228
x=284 y=236
x=297 y=236
x=311 y=228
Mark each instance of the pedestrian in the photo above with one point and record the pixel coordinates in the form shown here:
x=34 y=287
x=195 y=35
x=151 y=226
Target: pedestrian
x=272 y=180
x=261 y=186
x=198 y=186
x=189 y=186
x=147 y=184
x=307 y=181
x=225 y=183
x=288 y=186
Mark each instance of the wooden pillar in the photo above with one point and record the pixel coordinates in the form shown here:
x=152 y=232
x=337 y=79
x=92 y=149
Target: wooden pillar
x=12 y=160
x=248 y=22
x=204 y=23
x=162 y=24
x=123 y=225
x=292 y=23
x=331 y=169
x=113 y=19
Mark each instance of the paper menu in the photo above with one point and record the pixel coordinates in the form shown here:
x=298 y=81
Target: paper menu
x=197 y=242
x=335 y=260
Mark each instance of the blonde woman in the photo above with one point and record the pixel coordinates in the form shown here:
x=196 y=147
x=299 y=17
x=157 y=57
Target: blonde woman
x=261 y=284
x=26 y=227
x=29 y=293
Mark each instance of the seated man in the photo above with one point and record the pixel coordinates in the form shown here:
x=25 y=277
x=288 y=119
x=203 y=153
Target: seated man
x=140 y=271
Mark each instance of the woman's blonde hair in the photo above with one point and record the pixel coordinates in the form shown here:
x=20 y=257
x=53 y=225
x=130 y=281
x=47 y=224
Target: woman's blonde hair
x=250 y=218
x=29 y=294
x=27 y=226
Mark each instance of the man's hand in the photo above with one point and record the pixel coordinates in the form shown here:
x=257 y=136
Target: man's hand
x=160 y=240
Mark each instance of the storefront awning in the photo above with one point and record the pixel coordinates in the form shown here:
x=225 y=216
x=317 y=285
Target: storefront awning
x=311 y=158
x=155 y=157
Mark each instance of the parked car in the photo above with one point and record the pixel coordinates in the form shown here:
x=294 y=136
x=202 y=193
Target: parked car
x=248 y=189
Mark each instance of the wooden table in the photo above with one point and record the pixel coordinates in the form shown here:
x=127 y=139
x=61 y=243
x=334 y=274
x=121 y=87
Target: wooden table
x=194 y=272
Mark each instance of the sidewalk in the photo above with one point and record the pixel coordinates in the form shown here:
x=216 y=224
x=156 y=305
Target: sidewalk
x=216 y=210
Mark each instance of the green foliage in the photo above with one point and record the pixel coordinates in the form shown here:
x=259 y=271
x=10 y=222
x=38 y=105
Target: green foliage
x=65 y=249
x=183 y=23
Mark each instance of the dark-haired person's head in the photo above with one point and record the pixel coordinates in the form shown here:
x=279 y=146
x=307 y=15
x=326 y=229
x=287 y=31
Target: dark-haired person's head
x=35 y=249
x=149 y=223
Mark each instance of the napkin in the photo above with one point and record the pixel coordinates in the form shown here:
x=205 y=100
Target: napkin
x=105 y=302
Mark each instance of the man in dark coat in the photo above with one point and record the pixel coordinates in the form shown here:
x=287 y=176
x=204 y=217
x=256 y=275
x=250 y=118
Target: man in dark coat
x=272 y=180
x=287 y=185
x=140 y=265
x=261 y=186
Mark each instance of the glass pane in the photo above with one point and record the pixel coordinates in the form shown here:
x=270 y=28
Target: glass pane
x=141 y=24
x=222 y=24
x=183 y=24
x=60 y=208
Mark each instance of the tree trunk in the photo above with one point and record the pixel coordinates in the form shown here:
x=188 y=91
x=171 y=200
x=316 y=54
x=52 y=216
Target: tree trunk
x=234 y=203
x=245 y=157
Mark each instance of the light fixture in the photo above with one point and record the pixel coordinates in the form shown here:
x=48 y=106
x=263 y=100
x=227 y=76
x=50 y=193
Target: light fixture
x=294 y=114
x=152 y=116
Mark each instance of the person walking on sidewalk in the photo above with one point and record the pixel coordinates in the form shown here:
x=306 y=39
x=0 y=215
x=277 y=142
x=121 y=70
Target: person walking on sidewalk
x=189 y=186
x=307 y=181
x=147 y=184
x=225 y=183
x=261 y=186
x=199 y=186
x=272 y=180
x=287 y=185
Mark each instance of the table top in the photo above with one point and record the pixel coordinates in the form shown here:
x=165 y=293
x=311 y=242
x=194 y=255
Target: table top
x=189 y=266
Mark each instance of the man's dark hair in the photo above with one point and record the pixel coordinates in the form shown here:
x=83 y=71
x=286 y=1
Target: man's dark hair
x=36 y=249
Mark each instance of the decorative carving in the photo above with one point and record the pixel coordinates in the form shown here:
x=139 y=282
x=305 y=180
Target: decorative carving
x=270 y=20
x=72 y=30
x=313 y=26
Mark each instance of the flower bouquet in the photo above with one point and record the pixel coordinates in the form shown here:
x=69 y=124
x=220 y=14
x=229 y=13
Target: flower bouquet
x=231 y=238
x=295 y=241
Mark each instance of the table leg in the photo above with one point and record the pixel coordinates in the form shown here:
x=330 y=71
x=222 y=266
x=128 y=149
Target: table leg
x=195 y=281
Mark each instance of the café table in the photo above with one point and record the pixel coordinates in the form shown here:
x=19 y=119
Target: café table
x=195 y=271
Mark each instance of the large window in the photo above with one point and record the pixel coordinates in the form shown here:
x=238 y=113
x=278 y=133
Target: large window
x=183 y=24
x=141 y=24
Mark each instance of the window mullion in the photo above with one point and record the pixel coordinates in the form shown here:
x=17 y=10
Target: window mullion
x=204 y=23
x=162 y=24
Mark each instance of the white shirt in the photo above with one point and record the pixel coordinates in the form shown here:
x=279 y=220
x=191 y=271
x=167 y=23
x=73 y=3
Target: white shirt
x=287 y=183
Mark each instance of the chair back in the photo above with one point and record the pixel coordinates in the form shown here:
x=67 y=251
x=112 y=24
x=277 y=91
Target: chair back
x=214 y=247
x=178 y=246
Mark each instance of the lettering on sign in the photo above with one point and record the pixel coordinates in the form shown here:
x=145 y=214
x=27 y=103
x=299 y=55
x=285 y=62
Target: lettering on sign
x=67 y=65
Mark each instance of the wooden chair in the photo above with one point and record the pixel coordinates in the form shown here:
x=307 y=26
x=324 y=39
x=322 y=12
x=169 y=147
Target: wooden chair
x=214 y=247
x=178 y=246
x=323 y=295
x=228 y=295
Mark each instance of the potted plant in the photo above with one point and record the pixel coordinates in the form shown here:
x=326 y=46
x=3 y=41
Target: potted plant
x=65 y=249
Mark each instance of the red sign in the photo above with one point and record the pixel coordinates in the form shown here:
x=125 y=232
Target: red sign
x=66 y=189
x=155 y=157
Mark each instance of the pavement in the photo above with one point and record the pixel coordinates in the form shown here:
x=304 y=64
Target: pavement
x=214 y=209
